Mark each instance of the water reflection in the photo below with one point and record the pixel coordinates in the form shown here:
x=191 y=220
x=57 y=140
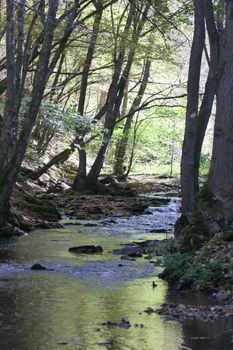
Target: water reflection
x=47 y=311
x=64 y=308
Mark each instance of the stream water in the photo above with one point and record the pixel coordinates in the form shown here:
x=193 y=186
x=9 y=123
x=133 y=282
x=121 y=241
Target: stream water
x=64 y=307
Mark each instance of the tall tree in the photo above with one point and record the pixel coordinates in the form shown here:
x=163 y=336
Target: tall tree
x=197 y=117
x=111 y=109
x=210 y=86
x=221 y=175
x=16 y=131
x=80 y=179
x=122 y=143
x=187 y=163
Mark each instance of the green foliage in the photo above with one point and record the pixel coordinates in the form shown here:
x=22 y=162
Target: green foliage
x=205 y=164
x=158 y=141
x=51 y=117
x=184 y=268
x=210 y=265
x=196 y=273
x=84 y=125
x=66 y=124
x=176 y=264
x=204 y=273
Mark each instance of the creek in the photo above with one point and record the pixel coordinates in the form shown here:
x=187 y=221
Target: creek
x=65 y=306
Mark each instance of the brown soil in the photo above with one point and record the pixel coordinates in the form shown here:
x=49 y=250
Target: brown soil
x=33 y=203
x=101 y=206
x=123 y=199
x=151 y=183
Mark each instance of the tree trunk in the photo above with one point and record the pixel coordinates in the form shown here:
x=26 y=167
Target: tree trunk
x=6 y=132
x=187 y=163
x=57 y=159
x=210 y=87
x=110 y=112
x=117 y=89
x=81 y=177
x=80 y=180
x=13 y=162
x=121 y=145
x=221 y=176
x=96 y=168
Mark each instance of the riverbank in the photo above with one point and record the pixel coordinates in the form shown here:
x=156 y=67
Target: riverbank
x=204 y=269
x=208 y=269
x=40 y=204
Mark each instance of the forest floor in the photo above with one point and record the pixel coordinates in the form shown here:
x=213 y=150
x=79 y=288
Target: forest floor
x=39 y=204
x=121 y=199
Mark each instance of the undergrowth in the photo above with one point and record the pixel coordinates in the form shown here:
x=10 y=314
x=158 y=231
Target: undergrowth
x=209 y=266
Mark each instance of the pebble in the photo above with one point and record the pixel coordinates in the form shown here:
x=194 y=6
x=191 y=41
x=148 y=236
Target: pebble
x=201 y=312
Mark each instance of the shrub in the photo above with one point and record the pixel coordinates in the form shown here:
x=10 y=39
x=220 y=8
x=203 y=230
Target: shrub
x=176 y=264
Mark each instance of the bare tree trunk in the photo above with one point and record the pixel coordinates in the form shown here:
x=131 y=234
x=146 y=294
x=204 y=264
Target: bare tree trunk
x=221 y=176
x=80 y=179
x=55 y=85
x=110 y=112
x=133 y=149
x=5 y=139
x=57 y=159
x=210 y=87
x=121 y=146
x=187 y=163
x=117 y=89
x=13 y=162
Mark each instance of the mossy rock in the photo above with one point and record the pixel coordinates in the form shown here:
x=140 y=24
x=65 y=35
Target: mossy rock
x=206 y=199
x=43 y=208
x=47 y=212
x=195 y=233
x=6 y=231
x=197 y=224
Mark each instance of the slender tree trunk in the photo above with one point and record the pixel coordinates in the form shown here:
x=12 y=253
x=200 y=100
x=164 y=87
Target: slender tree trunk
x=122 y=143
x=110 y=112
x=110 y=119
x=133 y=149
x=116 y=90
x=80 y=179
x=57 y=159
x=187 y=163
x=88 y=61
x=55 y=85
x=5 y=139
